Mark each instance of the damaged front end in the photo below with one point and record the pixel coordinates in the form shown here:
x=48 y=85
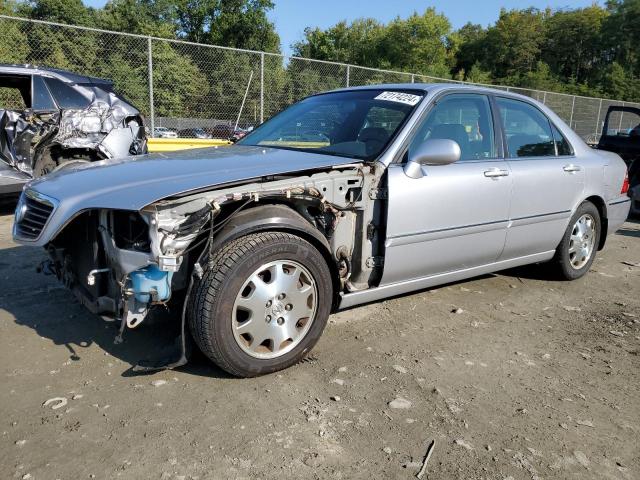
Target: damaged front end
x=123 y=264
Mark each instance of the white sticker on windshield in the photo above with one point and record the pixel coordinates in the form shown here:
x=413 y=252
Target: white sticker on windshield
x=399 y=97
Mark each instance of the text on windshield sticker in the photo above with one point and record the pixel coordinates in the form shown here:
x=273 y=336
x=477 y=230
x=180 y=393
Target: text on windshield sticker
x=399 y=97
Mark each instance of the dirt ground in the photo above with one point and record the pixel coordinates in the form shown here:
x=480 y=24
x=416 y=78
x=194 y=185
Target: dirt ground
x=515 y=376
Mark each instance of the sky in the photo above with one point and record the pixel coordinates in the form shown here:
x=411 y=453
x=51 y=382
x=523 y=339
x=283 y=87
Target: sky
x=292 y=16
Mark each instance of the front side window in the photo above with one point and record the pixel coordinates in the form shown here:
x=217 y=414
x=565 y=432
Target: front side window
x=15 y=92
x=527 y=130
x=354 y=124
x=463 y=118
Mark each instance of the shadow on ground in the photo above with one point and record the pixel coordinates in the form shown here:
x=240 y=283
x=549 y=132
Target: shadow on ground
x=40 y=302
x=629 y=232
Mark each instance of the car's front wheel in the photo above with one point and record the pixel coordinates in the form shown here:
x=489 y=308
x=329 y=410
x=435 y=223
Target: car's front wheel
x=262 y=304
x=578 y=247
x=53 y=160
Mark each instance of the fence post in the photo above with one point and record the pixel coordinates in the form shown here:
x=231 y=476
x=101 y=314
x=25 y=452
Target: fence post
x=262 y=87
x=348 y=74
x=573 y=104
x=413 y=78
x=544 y=98
x=598 y=117
x=150 y=67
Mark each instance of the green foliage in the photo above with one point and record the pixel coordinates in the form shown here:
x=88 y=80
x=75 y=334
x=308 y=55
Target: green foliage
x=13 y=47
x=185 y=80
x=512 y=45
x=414 y=44
x=572 y=45
x=587 y=51
x=477 y=75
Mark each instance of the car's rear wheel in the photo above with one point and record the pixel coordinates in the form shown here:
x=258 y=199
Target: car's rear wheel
x=262 y=304
x=578 y=247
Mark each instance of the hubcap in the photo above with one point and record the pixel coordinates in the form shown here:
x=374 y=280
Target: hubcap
x=274 y=309
x=582 y=241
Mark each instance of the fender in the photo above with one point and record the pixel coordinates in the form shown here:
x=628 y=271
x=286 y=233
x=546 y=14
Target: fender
x=270 y=217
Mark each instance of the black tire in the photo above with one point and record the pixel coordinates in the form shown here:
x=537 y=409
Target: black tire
x=212 y=300
x=562 y=259
x=46 y=164
x=53 y=159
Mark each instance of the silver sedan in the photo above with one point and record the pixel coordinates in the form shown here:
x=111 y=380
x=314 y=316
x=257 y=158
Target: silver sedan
x=344 y=198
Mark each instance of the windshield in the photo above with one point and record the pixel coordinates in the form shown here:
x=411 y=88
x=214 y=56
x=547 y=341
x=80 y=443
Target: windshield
x=355 y=124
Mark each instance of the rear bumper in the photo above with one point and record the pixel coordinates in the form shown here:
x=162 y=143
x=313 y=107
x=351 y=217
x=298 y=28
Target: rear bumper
x=617 y=213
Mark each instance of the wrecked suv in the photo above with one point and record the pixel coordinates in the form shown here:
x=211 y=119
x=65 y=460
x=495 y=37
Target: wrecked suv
x=344 y=198
x=51 y=117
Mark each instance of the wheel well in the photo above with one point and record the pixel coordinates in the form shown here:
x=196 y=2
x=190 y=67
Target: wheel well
x=280 y=217
x=602 y=210
x=58 y=154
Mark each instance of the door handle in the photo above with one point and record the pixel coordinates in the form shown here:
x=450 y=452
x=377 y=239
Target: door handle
x=572 y=168
x=496 y=172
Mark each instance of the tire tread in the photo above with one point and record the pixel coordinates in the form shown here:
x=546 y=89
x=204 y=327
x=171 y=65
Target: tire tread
x=207 y=292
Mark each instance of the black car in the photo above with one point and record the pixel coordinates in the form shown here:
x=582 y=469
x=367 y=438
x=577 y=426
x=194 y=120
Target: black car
x=50 y=117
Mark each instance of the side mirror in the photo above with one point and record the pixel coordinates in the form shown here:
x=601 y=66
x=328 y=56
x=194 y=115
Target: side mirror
x=436 y=151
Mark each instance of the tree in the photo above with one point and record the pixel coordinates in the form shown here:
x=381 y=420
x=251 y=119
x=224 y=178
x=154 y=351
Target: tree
x=539 y=78
x=63 y=11
x=580 y=31
x=470 y=46
x=477 y=75
x=513 y=43
x=232 y=23
x=617 y=83
x=357 y=43
x=621 y=33
x=587 y=51
x=53 y=46
x=13 y=47
x=417 y=44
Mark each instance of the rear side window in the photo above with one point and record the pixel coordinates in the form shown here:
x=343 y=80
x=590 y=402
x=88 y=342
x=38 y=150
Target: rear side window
x=41 y=97
x=563 y=147
x=527 y=130
x=386 y=118
x=65 y=95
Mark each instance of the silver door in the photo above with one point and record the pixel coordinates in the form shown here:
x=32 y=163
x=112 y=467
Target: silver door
x=548 y=181
x=455 y=216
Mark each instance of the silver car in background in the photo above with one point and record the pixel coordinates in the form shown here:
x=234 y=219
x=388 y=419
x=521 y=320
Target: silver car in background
x=50 y=118
x=344 y=198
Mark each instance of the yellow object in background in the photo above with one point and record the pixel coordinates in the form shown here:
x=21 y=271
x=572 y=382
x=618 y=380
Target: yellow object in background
x=175 y=144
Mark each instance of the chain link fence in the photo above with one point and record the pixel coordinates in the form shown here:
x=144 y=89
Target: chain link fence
x=183 y=85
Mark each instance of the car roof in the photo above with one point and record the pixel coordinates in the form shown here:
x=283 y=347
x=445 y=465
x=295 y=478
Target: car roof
x=64 y=75
x=434 y=88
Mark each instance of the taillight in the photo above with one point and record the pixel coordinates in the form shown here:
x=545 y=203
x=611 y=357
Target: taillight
x=625 y=183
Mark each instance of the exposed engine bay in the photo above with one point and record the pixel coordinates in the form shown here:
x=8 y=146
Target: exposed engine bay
x=122 y=264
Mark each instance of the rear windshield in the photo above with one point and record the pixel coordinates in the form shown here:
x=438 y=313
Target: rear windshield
x=355 y=124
